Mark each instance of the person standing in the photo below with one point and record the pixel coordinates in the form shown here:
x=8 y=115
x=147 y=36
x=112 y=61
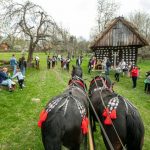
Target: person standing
x=123 y=66
x=48 y=62
x=117 y=73
x=104 y=64
x=53 y=61
x=90 y=65
x=130 y=66
x=22 y=65
x=37 y=62
x=108 y=65
x=147 y=84
x=134 y=74
x=13 y=63
x=78 y=61
x=67 y=63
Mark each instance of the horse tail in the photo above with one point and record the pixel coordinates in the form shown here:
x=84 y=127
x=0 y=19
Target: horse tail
x=51 y=134
x=135 y=130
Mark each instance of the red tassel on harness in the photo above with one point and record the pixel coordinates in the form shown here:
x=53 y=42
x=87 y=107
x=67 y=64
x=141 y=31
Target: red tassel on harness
x=43 y=116
x=113 y=114
x=105 y=112
x=84 y=125
x=108 y=121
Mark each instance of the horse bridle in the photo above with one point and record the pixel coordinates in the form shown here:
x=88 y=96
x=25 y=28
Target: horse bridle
x=100 y=89
x=99 y=78
x=77 y=81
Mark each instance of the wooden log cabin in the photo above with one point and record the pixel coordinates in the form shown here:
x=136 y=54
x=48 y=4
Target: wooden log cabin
x=120 y=40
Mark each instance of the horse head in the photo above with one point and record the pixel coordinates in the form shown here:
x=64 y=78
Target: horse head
x=76 y=79
x=76 y=71
x=100 y=82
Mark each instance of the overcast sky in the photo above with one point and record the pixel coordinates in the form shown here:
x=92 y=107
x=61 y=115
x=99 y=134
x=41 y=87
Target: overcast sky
x=78 y=16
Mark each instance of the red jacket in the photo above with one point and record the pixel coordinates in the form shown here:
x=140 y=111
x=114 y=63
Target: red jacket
x=135 y=72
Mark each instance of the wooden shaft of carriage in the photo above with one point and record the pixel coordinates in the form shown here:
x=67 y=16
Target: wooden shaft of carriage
x=90 y=137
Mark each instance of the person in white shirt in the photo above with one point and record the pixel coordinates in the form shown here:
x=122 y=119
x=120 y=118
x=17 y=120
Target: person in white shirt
x=117 y=73
x=37 y=62
x=122 y=65
x=19 y=77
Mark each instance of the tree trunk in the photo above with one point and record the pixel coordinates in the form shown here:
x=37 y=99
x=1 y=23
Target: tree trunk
x=30 y=54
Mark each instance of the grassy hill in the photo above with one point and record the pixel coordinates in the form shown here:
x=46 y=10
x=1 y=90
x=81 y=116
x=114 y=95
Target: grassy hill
x=19 y=112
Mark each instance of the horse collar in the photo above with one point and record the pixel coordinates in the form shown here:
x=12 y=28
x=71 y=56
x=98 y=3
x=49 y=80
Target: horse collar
x=72 y=82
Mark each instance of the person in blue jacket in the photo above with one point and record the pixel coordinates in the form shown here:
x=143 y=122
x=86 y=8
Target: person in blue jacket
x=5 y=80
x=13 y=63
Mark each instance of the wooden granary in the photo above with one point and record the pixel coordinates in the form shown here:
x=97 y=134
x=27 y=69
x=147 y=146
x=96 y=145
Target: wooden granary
x=120 y=40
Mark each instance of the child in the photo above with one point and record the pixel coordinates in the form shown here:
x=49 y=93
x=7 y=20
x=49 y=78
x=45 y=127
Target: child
x=117 y=74
x=20 y=78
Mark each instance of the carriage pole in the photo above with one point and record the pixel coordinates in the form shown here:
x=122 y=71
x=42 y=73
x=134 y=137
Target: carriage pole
x=90 y=137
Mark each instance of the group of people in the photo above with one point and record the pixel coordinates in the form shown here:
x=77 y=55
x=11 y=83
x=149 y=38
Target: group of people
x=123 y=68
x=131 y=71
x=128 y=69
x=51 y=62
x=65 y=63
x=18 y=71
x=105 y=64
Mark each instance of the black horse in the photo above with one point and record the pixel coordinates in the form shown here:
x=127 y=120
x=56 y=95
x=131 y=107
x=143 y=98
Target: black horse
x=120 y=120
x=64 y=119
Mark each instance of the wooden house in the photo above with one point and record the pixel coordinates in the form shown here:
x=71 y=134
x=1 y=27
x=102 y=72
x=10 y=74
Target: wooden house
x=120 y=40
x=4 y=46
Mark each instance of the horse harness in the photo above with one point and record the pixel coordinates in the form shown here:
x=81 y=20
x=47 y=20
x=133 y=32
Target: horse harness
x=110 y=110
x=56 y=102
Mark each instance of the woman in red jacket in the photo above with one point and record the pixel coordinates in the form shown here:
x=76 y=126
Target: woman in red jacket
x=134 y=74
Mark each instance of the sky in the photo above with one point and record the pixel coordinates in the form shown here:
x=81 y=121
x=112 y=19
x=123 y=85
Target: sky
x=79 y=16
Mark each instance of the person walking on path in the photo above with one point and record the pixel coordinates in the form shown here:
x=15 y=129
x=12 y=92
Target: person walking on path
x=134 y=74
x=13 y=63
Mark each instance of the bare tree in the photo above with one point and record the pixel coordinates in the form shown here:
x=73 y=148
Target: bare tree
x=31 y=21
x=142 y=21
x=106 y=10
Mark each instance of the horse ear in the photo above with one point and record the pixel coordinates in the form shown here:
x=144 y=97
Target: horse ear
x=73 y=66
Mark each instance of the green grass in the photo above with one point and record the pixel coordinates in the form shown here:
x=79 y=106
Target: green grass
x=19 y=114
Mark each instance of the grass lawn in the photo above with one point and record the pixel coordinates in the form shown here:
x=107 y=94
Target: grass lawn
x=19 y=114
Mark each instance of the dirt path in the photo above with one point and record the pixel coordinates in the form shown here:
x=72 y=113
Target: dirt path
x=59 y=77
